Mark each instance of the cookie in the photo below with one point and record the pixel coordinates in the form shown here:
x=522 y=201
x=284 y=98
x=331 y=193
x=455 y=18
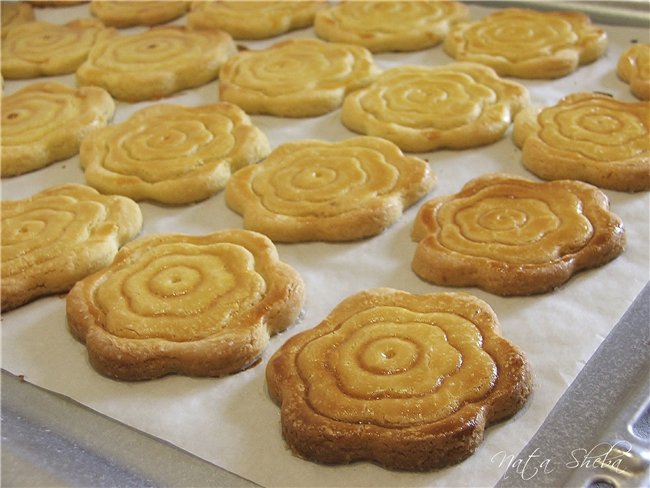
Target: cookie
x=271 y=18
x=156 y=63
x=634 y=68
x=321 y=191
x=512 y=236
x=35 y=49
x=46 y=122
x=192 y=305
x=130 y=13
x=58 y=236
x=389 y=26
x=527 y=43
x=590 y=137
x=172 y=154
x=422 y=109
x=296 y=77
x=406 y=381
x=13 y=14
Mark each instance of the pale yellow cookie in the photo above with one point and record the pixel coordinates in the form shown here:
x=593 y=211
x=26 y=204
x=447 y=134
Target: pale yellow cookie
x=58 y=236
x=192 y=305
x=421 y=108
x=253 y=20
x=127 y=13
x=634 y=68
x=589 y=137
x=172 y=154
x=389 y=25
x=321 y=191
x=156 y=63
x=295 y=78
x=36 y=49
x=46 y=122
x=406 y=381
x=13 y=14
x=528 y=43
x=512 y=236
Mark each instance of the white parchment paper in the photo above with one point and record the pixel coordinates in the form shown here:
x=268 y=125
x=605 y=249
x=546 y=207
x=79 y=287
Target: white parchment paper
x=231 y=421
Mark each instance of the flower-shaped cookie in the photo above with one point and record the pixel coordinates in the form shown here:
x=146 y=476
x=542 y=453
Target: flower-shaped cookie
x=46 y=122
x=36 y=49
x=407 y=381
x=296 y=77
x=422 y=108
x=58 y=236
x=172 y=154
x=13 y=14
x=527 y=43
x=389 y=26
x=634 y=68
x=156 y=63
x=315 y=190
x=589 y=137
x=512 y=236
x=127 y=13
x=253 y=20
x=193 y=305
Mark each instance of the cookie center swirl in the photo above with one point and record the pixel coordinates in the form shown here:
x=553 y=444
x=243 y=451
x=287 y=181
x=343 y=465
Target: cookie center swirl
x=393 y=366
x=503 y=219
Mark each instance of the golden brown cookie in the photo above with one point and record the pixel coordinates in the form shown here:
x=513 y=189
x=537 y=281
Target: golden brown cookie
x=13 y=14
x=528 y=43
x=315 y=190
x=389 y=25
x=421 y=108
x=512 y=236
x=36 y=49
x=156 y=63
x=58 y=236
x=193 y=305
x=253 y=20
x=407 y=381
x=589 y=137
x=172 y=154
x=634 y=68
x=127 y=13
x=46 y=122
x=56 y=3
x=296 y=77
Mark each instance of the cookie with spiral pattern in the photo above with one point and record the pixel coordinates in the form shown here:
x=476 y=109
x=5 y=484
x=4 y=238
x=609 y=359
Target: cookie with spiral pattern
x=316 y=190
x=196 y=305
x=155 y=63
x=59 y=236
x=512 y=236
x=634 y=68
x=590 y=137
x=171 y=153
x=527 y=43
x=406 y=381
x=45 y=122
x=122 y=13
x=13 y=14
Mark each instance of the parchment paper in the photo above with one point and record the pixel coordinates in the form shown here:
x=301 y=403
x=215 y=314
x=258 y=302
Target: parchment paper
x=231 y=421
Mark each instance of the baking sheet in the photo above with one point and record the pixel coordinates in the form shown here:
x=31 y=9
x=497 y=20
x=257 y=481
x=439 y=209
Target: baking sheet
x=231 y=421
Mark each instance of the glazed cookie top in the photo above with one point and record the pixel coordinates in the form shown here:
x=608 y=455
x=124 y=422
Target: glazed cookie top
x=34 y=49
x=316 y=190
x=129 y=13
x=196 y=305
x=590 y=137
x=58 y=236
x=272 y=18
x=172 y=154
x=389 y=26
x=512 y=236
x=634 y=68
x=528 y=43
x=46 y=122
x=155 y=63
x=421 y=108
